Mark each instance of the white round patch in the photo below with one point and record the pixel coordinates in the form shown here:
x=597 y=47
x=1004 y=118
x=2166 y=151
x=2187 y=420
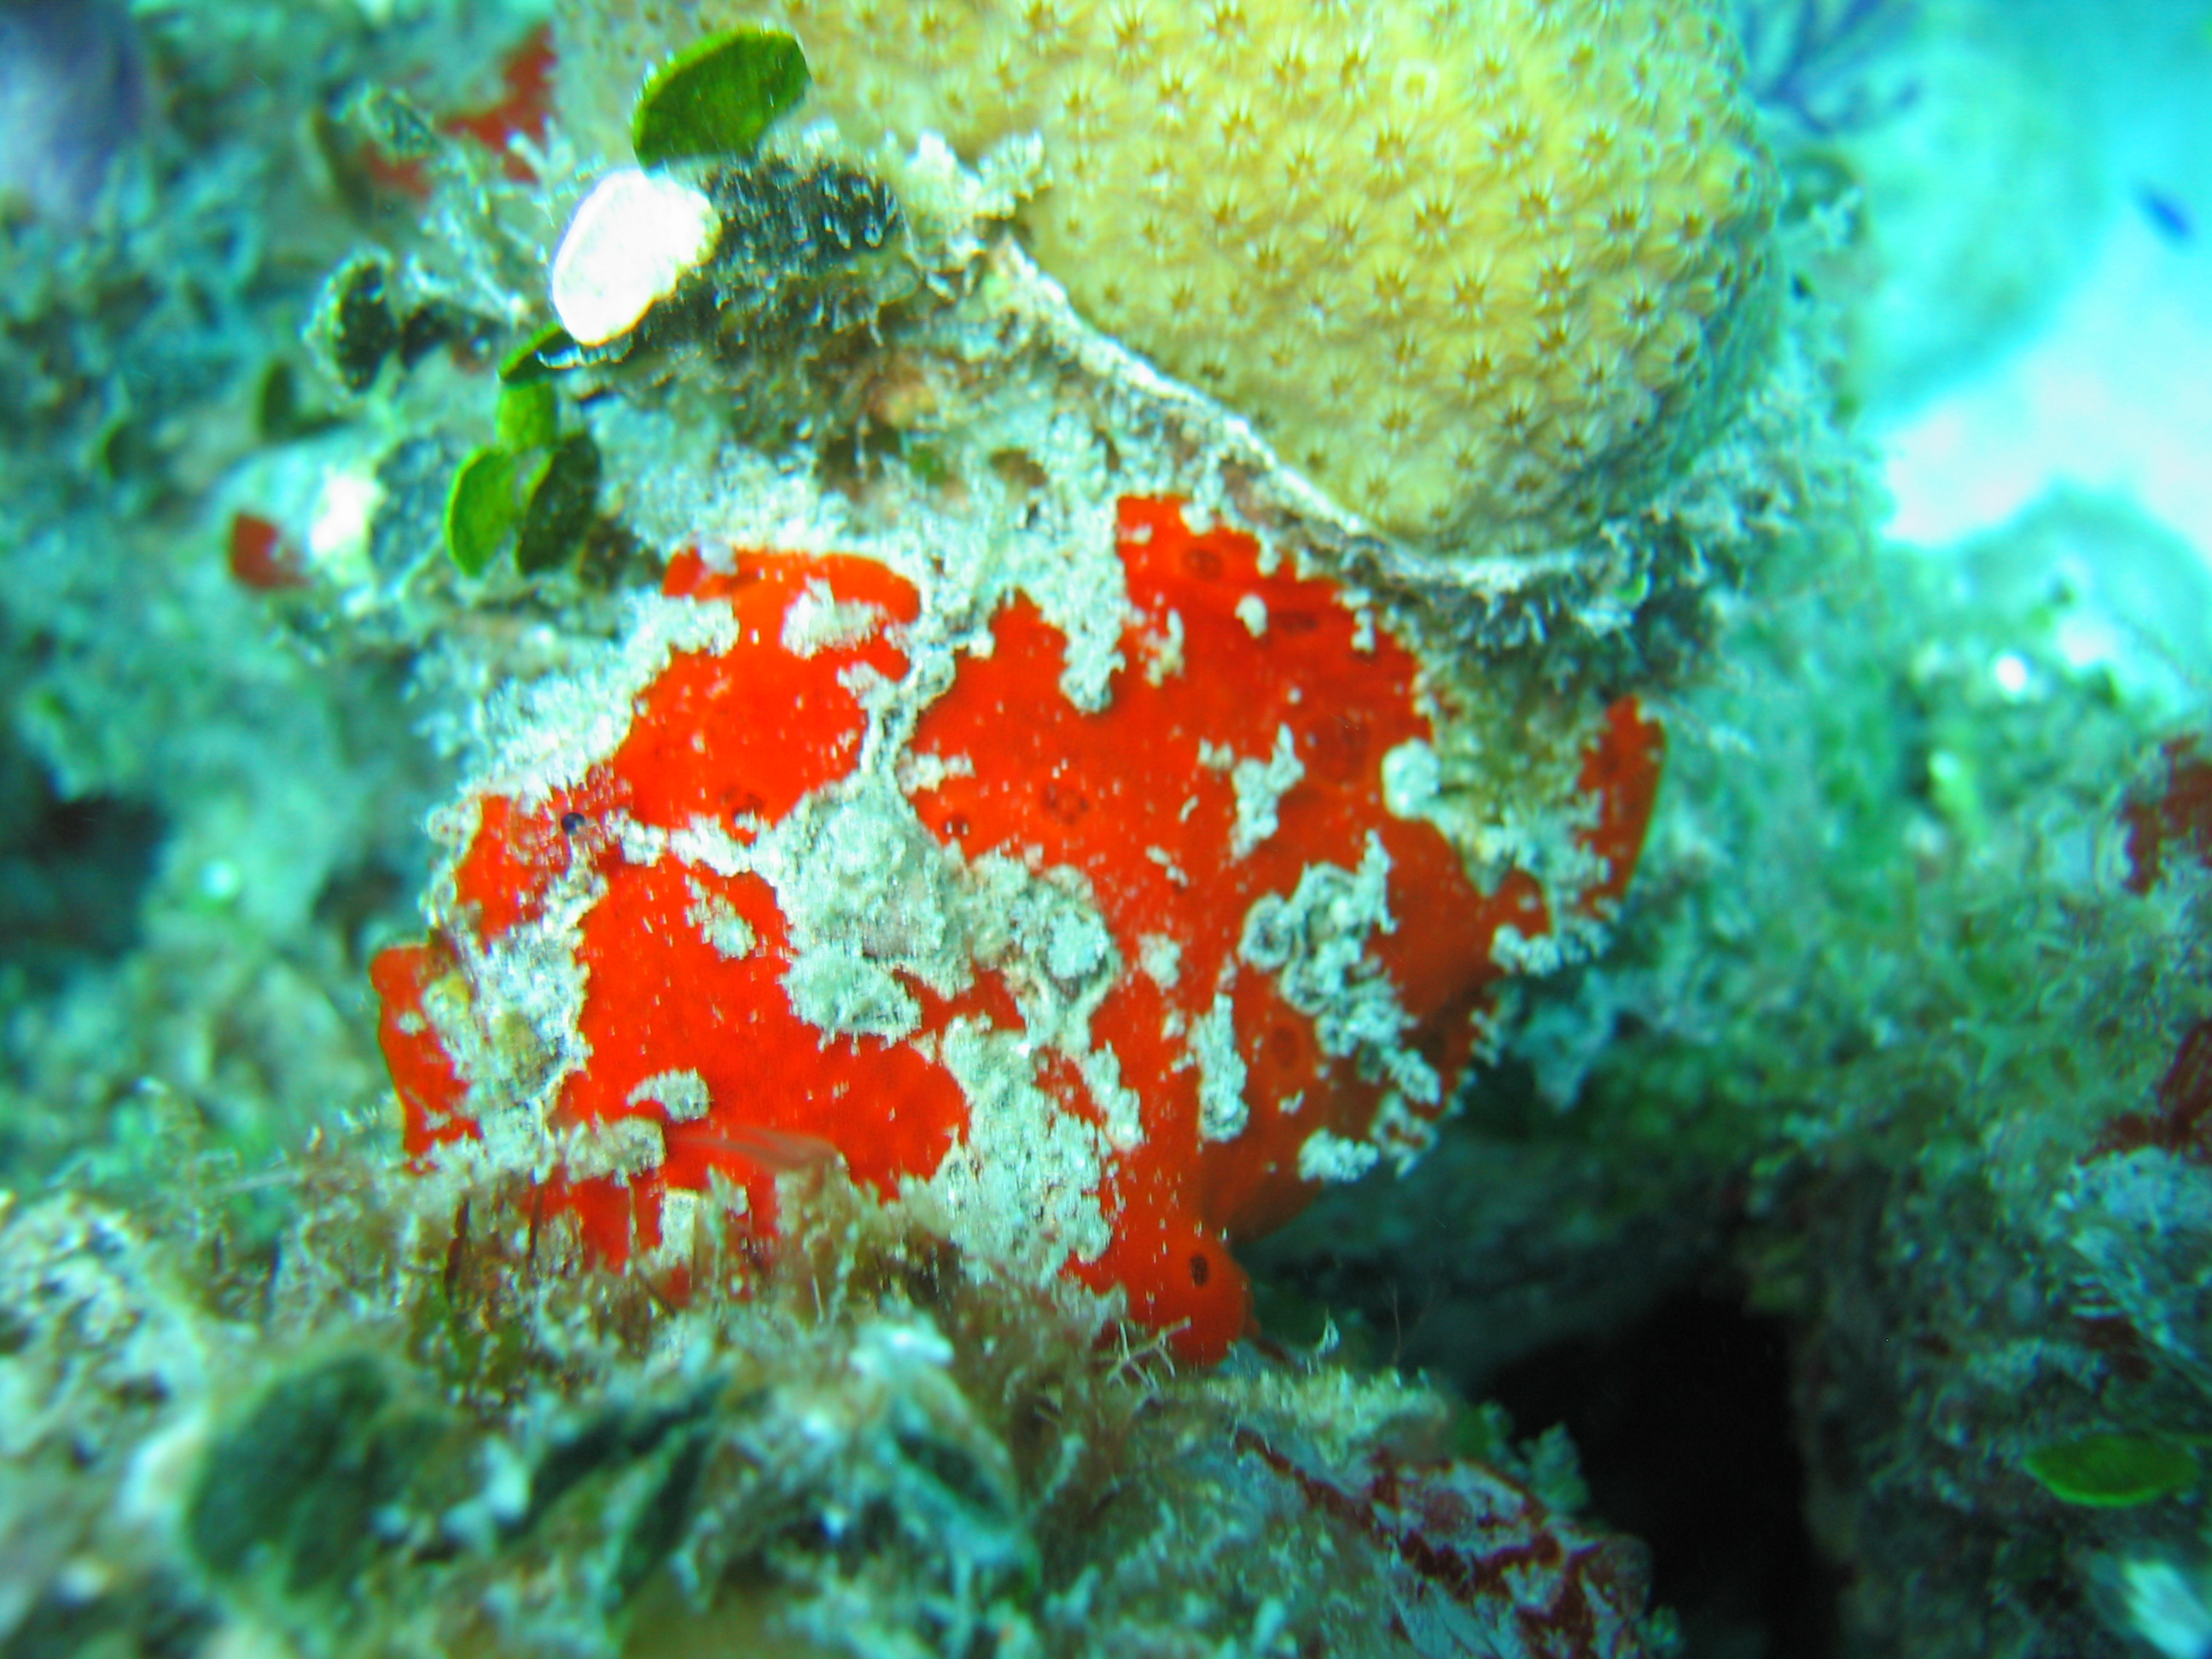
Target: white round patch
x=631 y=241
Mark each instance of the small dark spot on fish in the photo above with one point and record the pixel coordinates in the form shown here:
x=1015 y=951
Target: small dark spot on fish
x=2170 y=218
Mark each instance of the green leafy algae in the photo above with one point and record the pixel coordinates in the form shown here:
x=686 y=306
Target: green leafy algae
x=481 y=510
x=717 y=97
x=529 y=416
x=562 y=494
x=2113 y=1471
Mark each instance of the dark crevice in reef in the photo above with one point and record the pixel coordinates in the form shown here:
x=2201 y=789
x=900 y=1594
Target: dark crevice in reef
x=369 y=904
x=1682 y=1422
x=72 y=875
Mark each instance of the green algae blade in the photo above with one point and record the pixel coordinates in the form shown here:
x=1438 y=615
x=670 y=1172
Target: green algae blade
x=562 y=496
x=480 y=510
x=2113 y=1471
x=716 y=97
x=529 y=415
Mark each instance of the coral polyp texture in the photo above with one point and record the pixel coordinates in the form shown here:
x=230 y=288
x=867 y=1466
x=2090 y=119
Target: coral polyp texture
x=1120 y=956
x=1480 y=269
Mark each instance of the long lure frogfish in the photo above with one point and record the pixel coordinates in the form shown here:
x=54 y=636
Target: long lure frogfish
x=1122 y=924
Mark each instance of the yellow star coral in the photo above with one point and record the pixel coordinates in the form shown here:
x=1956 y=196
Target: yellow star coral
x=1481 y=268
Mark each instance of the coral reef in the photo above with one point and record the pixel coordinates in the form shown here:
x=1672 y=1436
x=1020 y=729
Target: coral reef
x=1925 y=1065
x=987 y=779
x=1942 y=1065
x=1119 y=885
x=238 y=793
x=1486 y=272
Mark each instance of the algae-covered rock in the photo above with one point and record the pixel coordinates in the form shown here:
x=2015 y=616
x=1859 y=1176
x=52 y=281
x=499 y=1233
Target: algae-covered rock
x=882 y=1449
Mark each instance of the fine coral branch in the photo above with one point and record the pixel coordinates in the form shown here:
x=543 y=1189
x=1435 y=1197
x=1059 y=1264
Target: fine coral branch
x=1816 y=64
